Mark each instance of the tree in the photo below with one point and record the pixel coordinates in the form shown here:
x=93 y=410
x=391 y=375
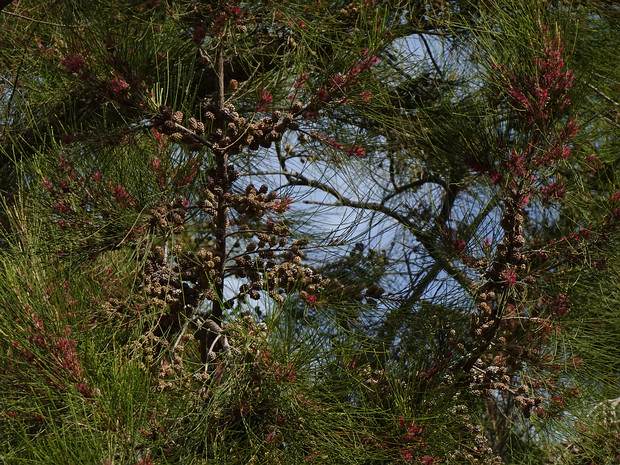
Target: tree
x=176 y=288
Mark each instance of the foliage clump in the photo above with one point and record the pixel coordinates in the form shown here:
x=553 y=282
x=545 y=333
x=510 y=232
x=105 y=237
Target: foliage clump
x=321 y=232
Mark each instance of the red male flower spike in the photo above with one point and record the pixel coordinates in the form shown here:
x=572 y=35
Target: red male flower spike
x=265 y=99
x=73 y=63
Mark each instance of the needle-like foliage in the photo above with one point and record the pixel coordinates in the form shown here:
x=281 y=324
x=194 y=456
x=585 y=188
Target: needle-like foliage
x=348 y=232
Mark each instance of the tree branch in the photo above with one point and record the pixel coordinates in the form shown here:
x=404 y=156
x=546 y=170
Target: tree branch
x=37 y=21
x=427 y=239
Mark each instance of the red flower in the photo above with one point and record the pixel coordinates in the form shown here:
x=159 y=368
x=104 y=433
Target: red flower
x=265 y=99
x=407 y=455
x=199 y=34
x=73 y=63
x=510 y=277
x=426 y=460
x=458 y=245
x=282 y=206
x=119 y=84
x=356 y=151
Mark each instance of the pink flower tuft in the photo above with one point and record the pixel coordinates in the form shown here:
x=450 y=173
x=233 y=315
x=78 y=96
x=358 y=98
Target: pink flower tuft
x=265 y=99
x=199 y=34
x=356 y=151
x=73 y=63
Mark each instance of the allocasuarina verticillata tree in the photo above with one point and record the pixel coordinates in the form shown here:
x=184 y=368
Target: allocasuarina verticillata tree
x=309 y=232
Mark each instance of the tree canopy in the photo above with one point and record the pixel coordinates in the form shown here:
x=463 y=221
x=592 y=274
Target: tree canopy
x=360 y=231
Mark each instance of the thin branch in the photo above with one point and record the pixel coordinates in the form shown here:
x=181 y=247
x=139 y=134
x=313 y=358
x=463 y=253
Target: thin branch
x=602 y=94
x=198 y=138
x=181 y=334
x=47 y=23
x=427 y=239
x=598 y=75
x=610 y=121
x=425 y=179
x=17 y=73
x=392 y=174
x=219 y=71
x=430 y=54
x=393 y=321
x=395 y=318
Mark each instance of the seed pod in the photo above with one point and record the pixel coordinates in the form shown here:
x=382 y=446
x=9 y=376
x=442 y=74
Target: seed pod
x=484 y=308
x=177 y=219
x=280 y=127
x=177 y=137
x=177 y=117
x=374 y=291
x=297 y=106
x=192 y=123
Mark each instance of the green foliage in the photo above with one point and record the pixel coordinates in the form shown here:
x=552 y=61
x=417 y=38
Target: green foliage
x=292 y=232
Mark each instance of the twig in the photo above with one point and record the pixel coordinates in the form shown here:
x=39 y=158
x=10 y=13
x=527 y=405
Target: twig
x=430 y=54
x=219 y=71
x=425 y=238
x=181 y=334
x=39 y=21
x=602 y=94
x=426 y=178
